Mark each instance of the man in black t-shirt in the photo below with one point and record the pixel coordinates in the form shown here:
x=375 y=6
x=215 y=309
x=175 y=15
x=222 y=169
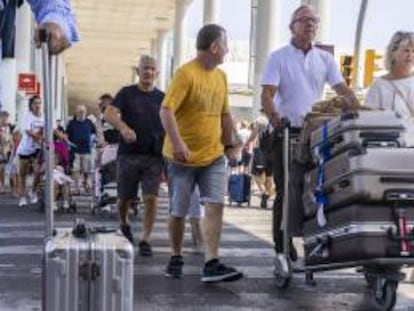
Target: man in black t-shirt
x=135 y=113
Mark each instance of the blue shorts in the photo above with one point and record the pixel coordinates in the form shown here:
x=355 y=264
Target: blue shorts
x=211 y=182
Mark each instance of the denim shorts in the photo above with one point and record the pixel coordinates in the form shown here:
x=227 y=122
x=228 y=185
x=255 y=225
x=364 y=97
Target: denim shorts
x=182 y=180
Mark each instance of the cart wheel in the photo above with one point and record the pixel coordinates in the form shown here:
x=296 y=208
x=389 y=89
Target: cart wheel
x=282 y=271
x=384 y=294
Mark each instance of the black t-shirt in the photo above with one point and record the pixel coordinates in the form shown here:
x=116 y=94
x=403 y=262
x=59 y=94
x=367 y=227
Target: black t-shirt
x=140 y=111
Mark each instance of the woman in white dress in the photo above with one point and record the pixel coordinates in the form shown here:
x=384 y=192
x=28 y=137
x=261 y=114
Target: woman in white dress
x=395 y=90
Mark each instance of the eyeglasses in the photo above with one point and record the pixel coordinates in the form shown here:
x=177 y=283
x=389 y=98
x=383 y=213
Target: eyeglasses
x=305 y=20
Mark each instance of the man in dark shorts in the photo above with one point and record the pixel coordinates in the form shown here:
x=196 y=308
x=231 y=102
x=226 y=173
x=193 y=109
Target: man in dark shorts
x=135 y=114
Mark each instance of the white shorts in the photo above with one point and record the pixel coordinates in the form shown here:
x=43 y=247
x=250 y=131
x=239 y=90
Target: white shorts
x=82 y=163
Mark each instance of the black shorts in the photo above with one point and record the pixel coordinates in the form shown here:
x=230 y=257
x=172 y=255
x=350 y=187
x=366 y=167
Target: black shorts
x=262 y=163
x=31 y=156
x=133 y=170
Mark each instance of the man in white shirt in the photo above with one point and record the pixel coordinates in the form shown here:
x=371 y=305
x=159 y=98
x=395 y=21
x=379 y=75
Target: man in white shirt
x=293 y=81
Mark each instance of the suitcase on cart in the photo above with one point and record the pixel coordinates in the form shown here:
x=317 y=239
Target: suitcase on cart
x=364 y=175
x=239 y=188
x=356 y=232
x=90 y=269
x=359 y=129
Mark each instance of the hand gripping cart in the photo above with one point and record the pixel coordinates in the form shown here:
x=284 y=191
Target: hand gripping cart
x=382 y=273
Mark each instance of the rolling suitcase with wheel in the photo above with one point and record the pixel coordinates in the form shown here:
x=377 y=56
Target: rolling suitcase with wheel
x=88 y=269
x=239 y=188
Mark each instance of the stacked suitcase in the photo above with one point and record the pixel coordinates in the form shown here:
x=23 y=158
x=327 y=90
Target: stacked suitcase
x=359 y=199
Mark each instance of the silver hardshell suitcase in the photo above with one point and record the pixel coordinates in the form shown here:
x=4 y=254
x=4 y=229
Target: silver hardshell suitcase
x=360 y=128
x=355 y=232
x=362 y=175
x=92 y=271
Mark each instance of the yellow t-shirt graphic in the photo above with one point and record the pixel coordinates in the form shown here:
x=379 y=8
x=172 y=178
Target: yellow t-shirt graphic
x=198 y=98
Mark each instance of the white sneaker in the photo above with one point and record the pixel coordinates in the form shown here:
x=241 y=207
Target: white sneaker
x=33 y=197
x=22 y=202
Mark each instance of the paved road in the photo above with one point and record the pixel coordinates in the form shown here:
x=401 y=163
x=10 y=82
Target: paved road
x=246 y=244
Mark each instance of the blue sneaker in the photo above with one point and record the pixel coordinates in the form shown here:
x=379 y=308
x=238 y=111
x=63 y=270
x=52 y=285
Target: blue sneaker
x=214 y=271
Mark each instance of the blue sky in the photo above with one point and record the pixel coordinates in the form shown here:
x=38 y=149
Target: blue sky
x=383 y=18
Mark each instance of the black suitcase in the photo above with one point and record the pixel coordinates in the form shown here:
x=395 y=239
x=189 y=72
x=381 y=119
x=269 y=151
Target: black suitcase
x=356 y=232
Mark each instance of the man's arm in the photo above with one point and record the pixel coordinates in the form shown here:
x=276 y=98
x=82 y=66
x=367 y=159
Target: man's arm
x=268 y=93
x=58 y=19
x=113 y=116
x=180 y=150
x=350 y=99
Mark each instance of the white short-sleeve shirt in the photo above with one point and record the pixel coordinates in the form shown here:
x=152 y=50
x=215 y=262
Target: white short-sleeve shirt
x=27 y=145
x=300 y=79
x=397 y=95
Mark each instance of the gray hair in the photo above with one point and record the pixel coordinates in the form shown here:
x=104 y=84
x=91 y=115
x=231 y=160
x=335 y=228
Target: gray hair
x=398 y=38
x=145 y=59
x=300 y=8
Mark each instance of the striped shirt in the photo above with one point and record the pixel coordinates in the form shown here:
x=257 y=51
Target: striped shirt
x=58 y=12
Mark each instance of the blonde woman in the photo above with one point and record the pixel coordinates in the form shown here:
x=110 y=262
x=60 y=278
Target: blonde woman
x=395 y=90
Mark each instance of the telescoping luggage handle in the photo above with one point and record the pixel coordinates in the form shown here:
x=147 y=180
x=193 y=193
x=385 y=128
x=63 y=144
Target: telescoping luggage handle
x=47 y=74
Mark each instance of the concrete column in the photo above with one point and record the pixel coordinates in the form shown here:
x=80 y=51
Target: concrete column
x=211 y=12
x=8 y=83
x=323 y=9
x=265 y=38
x=181 y=7
x=23 y=49
x=162 y=40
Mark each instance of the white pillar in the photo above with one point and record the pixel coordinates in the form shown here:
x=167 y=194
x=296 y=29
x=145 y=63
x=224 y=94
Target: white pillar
x=266 y=36
x=8 y=83
x=23 y=49
x=162 y=40
x=179 y=32
x=211 y=12
x=323 y=9
x=154 y=47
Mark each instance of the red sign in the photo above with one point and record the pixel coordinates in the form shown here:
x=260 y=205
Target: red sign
x=27 y=82
x=36 y=90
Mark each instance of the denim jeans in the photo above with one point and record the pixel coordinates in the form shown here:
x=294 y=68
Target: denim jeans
x=183 y=180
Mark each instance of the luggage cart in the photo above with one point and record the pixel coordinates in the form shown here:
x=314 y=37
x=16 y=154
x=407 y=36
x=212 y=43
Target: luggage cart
x=381 y=274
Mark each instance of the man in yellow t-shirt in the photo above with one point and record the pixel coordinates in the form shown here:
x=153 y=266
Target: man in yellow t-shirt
x=196 y=117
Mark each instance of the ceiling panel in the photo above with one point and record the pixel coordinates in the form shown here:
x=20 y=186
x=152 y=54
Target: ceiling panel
x=113 y=34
